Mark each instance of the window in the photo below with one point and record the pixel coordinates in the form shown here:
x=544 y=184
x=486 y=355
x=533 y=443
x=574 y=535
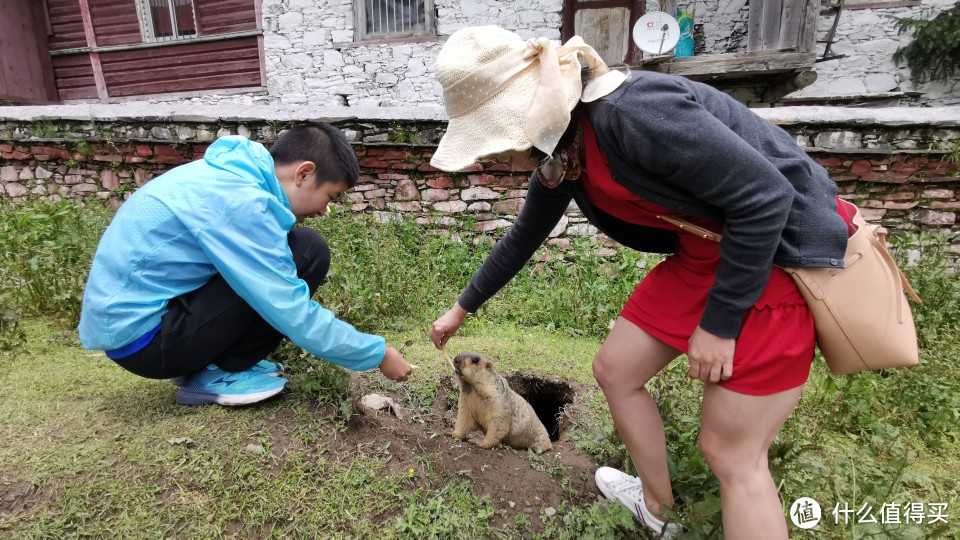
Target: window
x=386 y=19
x=167 y=20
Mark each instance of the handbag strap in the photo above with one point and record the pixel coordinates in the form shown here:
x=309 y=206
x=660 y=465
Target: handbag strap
x=880 y=234
x=877 y=231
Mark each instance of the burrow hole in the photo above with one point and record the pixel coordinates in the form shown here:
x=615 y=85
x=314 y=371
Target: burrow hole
x=550 y=399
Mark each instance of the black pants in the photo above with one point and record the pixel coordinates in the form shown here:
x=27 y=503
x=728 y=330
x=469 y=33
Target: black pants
x=213 y=325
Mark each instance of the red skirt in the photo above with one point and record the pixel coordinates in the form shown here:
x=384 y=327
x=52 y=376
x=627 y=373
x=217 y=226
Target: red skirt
x=776 y=343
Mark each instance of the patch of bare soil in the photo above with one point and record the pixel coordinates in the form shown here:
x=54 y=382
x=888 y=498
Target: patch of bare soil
x=20 y=498
x=515 y=482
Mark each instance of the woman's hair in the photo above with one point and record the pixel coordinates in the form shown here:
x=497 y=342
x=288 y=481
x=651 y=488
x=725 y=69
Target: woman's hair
x=323 y=145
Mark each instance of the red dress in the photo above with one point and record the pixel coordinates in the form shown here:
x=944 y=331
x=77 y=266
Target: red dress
x=776 y=343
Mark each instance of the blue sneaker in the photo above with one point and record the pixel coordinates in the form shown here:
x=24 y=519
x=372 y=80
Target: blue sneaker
x=214 y=385
x=265 y=367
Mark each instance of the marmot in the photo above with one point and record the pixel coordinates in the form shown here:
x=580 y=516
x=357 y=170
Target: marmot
x=487 y=401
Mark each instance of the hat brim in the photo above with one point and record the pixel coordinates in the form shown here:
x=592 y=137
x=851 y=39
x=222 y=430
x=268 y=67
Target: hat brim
x=496 y=125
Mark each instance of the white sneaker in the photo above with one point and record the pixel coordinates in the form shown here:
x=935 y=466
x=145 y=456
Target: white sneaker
x=619 y=486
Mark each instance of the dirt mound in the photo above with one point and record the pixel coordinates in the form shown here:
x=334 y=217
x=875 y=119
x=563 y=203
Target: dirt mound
x=515 y=481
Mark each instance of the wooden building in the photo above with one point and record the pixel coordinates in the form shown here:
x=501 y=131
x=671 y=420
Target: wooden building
x=57 y=50
x=780 y=54
x=72 y=49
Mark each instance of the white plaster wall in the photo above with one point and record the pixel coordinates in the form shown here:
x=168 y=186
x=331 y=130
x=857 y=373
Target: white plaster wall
x=868 y=38
x=311 y=58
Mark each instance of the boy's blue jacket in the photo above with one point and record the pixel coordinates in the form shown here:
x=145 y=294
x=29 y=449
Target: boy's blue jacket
x=226 y=214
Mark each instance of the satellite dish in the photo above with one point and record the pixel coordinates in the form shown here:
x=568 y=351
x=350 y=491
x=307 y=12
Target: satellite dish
x=656 y=33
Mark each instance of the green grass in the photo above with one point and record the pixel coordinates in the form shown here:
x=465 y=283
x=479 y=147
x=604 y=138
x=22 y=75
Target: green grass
x=97 y=441
x=102 y=450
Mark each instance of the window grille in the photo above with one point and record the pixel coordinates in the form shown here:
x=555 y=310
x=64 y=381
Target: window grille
x=394 y=18
x=167 y=20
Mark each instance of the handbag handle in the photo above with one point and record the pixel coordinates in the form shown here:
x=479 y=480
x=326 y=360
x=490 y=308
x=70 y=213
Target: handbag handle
x=691 y=228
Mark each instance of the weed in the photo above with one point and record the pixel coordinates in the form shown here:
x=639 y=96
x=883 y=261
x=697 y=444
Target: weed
x=609 y=520
x=452 y=512
x=326 y=382
x=12 y=335
x=403 y=135
x=46 y=248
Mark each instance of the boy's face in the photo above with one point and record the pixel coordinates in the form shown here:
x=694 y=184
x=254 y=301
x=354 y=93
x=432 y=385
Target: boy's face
x=312 y=199
x=307 y=198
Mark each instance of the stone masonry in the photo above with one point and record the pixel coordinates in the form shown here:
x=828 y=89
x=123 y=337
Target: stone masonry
x=902 y=170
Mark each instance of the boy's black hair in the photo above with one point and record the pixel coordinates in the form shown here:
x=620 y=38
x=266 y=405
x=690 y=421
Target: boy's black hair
x=322 y=144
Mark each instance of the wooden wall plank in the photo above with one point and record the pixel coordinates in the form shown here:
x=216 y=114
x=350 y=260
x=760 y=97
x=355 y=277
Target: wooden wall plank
x=225 y=16
x=755 y=27
x=606 y=31
x=177 y=68
x=201 y=83
x=791 y=20
x=807 y=41
x=771 y=24
x=74 y=76
x=115 y=22
x=66 y=25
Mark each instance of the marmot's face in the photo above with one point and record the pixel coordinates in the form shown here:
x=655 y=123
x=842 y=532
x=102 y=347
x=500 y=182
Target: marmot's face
x=467 y=362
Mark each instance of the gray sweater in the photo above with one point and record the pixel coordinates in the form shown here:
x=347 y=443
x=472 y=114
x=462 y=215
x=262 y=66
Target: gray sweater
x=691 y=148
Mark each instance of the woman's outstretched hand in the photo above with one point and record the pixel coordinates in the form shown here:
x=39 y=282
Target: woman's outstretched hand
x=447 y=325
x=711 y=357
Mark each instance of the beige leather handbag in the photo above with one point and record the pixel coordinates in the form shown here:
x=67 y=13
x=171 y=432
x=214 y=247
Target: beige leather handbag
x=860 y=312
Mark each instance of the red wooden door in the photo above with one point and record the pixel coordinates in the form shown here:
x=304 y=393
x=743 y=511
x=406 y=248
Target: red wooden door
x=26 y=72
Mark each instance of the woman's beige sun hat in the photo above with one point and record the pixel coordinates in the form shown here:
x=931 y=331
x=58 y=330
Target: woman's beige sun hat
x=503 y=93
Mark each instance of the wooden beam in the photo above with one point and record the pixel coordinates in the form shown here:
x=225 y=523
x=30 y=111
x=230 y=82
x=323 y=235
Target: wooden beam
x=98 y=77
x=732 y=65
x=788 y=85
x=88 y=23
x=828 y=38
x=161 y=44
x=637 y=9
x=88 y=30
x=258 y=7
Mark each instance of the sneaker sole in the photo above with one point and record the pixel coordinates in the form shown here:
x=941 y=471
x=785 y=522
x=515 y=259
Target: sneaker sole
x=178 y=381
x=192 y=397
x=666 y=533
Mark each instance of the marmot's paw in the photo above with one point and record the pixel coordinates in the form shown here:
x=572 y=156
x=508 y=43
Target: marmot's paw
x=488 y=444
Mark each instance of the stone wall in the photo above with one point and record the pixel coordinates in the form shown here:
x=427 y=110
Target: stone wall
x=866 y=66
x=903 y=170
x=311 y=57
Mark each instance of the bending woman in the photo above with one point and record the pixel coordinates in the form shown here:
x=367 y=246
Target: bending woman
x=636 y=152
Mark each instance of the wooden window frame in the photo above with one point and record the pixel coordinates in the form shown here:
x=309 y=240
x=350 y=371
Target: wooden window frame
x=148 y=32
x=360 y=24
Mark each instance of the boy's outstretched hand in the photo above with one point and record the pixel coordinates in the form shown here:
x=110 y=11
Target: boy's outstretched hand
x=394 y=367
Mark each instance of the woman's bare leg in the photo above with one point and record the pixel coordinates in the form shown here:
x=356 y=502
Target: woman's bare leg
x=628 y=358
x=736 y=433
